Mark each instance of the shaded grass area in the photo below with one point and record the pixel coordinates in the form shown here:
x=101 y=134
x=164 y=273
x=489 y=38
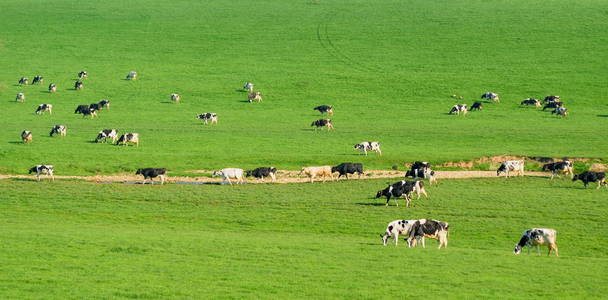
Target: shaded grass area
x=74 y=240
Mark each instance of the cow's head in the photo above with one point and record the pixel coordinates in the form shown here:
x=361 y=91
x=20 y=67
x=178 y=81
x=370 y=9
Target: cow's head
x=517 y=250
x=218 y=173
x=575 y=178
x=139 y=171
x=379 y=194
x=248 y=173
x=385 y=237
x=501 y=169
x=32 y=170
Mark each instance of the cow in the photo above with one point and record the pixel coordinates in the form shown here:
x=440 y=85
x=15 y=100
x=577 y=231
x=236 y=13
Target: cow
x=430 y=229
x=536 y=237
x=228 y=173
x=562 y=167
x=511 y=165
x=325 y=109
x=403 y=189
x=553 y=105
x=81 y=109
x=42 y=170
x=459 y=108
x=58 y=129
x=255 y=96
x=490 y=96
x=128 y=138
x=552 y=98
x=348 y=168
x=83 y=74
x=368 y=146
x=20 y=97
x=78 y=85
x=422 y=172
x=104 y=103
x=132 y=75
x=262 y=172
x=531 y=101
x=590 y=176
x=313 y=172
x=26 y=136
x=152 y=173
x=322 y=123
x=248 y=87
x=106 y=134
x=206 y=117
x=95 y=106
x=175 y=97
x=477 y=106
x=24 y=81
x=42 y=108
x=396 y=228
x=52 y=88
x=560 y=111
x=38 y=79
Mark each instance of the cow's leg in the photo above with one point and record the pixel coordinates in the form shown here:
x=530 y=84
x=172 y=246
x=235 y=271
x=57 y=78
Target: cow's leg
x=555 y=248
x=423 y=242
x=162 y=179
x=396 y=237
x=228 y=179
x=538 y=250
x=599 y=185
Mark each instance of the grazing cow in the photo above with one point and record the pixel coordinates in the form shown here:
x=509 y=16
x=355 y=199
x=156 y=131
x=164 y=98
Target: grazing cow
x=490 y=96
x=42 y=170
x=86 y=111
x=104 y=103
x=206 y=117
x=228 y=173
x=83 y=74
x=78 y=85
x=590 y=176
x=26 y=136
x=560 y=111
x=348 y=168
x=531 y=101
x=175 y=98
x=44 y=108
x=81 y=109
x=255 y=96
x=248 y=86
x=368 y=146
x=394 y=190
x=430 y=229
x=325 y=109
x=562 y=167
x=313 y=172
x=552 y=98
x=52 y=88
x=37 y=79
x=132 y=75
x=20 y=97
x=422 y=170
x=553 y=105
x=396 y=228
x=95 y=106
x=128 y=138
x=106 y=134
x=323 y=123
x=536 y=237
x=416 y=186
x=477 y=106
x=152 y=173
x=459 y=108
x=262 y=172
x=511 y=165
x=24 y=81
x=58 y=129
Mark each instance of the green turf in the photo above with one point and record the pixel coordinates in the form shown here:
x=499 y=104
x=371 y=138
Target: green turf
x=71 y=240
x=387 y=66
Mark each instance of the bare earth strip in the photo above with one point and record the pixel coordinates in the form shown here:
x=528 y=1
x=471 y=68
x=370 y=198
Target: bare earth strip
x=283 y=176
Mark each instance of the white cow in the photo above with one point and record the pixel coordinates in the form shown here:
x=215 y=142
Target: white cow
x=511 y=165
x=368 y=146
x=537 y=237
x=41 y=170
x=396 y=228
x=227 y=173
x=20 y=97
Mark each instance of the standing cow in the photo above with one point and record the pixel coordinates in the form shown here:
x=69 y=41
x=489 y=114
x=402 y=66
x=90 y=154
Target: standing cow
x=52 y=88
x=20 y=97
x=26 y=136
x=590 y=176
x=255 y=96
x=132 y=75
x=325 y=109
x=368 y=146
x=490 y=96
x=42 y=170
x=227 y=173
x=459 y=108
x=536 y=237
x=107 y=134
x=150 y=173
x=206 y=117
x=126 y=138
x=42 y=108
x=175 y=97
x=511 y=166
x=348 y=168
x=58 y=129
x=327 y=123
x=262 y=172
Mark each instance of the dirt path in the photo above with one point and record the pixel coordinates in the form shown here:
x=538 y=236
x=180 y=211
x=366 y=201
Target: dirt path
x=283 y=176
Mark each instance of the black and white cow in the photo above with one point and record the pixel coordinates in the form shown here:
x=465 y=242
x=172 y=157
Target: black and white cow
x=511 y=166
x=477 y=106
x=24 y=81
x=42 y=108
x=104 y=103
x=254 y=96
x=490 y=96
x=132 y=75
x=262 y=172
x=459 y=108
x=107 y=134
x=403 y=189
x=83 y=74
x=176 y=97
x=322 y=123
x=553 y=105
x=396 y=228
x=325 y=109
x=590 y=176
x=52 y=88
x=536 y=237
x=78 y=85
x=26 y=136
x=562 y=167
x=368 y=146
x=560 y=111
x=42 y=170
x=206 y=117
x=58 y=129
x=132 y=138
x=20 y=97
x=81 y=109
x=422 y=170
x=95 y=106
x=248 y=86
x=552 y=98
x=425 y=228
x=348 y=168
x=37 y=79
x=150 y=173
x=531 y=101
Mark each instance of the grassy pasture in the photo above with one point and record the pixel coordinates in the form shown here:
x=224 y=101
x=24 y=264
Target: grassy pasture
x=387 y=66
x=98 y=241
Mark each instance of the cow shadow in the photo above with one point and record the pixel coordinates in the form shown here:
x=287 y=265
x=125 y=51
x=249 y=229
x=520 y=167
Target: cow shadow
x=166 y=102
x=244 y=101
x=15 y=142
x=240 y=90
x=24 y=179
x=603 y=116
x=371 y=203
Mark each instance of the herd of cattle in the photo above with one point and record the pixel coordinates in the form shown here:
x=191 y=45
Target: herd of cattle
x=550 y=102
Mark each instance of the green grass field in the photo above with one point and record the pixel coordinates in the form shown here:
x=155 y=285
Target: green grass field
x=79 y=240
x=388 y=67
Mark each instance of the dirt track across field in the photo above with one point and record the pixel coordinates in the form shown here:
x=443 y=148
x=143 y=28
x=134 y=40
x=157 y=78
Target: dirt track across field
x=283 y=176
